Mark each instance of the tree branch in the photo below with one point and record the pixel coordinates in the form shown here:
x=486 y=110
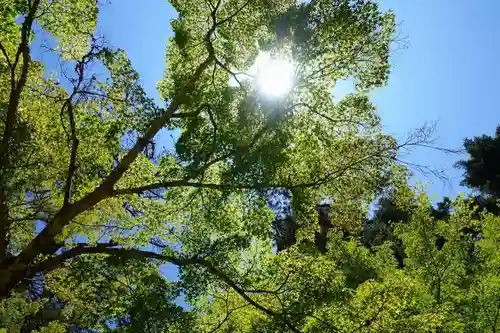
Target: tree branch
x=264 y=291
x=495 y=320
x=11 y=119
x=187 y=183
x=79 y=68
x=370 y=321
x=112 y=249
x=226 y=317
x=240 y=149
x=72 y=160
x=233 y=15
x=68 y=212
x=224 y=278
x=104 y=248
x=4 y=52
x=17 y=87
x=325 y=323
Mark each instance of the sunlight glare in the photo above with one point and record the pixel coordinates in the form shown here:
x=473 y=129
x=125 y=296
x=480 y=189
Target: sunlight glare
x=274 y=76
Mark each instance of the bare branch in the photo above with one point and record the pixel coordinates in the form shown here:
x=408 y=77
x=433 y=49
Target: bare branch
x=423 y=137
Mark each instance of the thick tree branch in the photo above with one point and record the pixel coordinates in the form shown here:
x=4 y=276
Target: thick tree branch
x=335 y=174
x=16 y=90
x=112 y=249
x=216 y=24
x=105 y=248
x=4 y=225
x=17 y=87
x=214 y=133
x=69 y=211
x=187 y=183
x=182 y=115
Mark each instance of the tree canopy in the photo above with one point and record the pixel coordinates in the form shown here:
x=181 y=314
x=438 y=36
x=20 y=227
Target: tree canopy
x=480 y=170
x=262 y=202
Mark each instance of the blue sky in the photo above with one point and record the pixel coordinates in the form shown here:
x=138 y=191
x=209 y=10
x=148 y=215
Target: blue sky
x=448 y=74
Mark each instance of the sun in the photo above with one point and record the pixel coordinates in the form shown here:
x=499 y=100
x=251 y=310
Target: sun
x=274 y=76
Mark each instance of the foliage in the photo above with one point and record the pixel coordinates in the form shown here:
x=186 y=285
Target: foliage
x=92 y=206
x=351 y=288
x=480 y=169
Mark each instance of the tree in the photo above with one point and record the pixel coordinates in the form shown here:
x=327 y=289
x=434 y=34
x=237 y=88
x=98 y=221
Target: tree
x=353 y=289
x=480 y=169
x=87 y=200
x=380 y=228
x=82 y=189
x=397 y=207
